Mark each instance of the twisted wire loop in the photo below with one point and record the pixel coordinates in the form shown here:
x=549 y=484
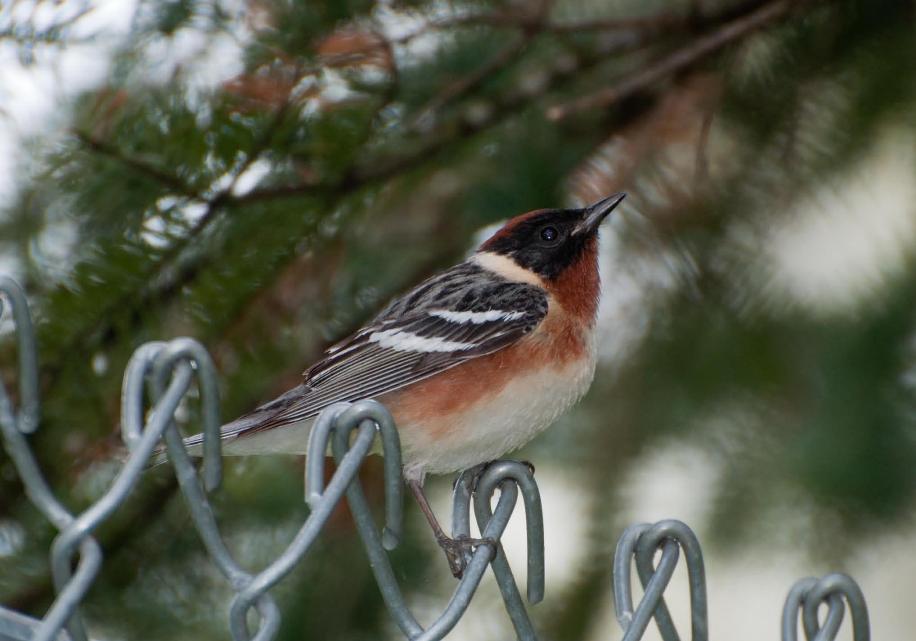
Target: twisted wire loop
x=371 y=418
x=368 y=419
x=167 y=370
x=14 y=426
x=641 y=542
x=510 y=476
x=806 y=597
x=492 y=525
x=141 y=442
x=165 y=367
x=26 y=418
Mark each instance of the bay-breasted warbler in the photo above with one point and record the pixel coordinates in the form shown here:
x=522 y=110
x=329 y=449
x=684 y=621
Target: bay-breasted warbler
x=472 y=362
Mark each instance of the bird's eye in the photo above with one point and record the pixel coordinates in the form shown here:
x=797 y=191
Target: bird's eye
x=549 y=234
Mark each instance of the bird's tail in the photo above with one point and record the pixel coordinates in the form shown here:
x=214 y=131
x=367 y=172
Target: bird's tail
x=239 y=427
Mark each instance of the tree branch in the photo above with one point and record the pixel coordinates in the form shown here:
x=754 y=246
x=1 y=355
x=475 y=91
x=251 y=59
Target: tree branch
x=677 y=61
x=538 y=21
x=470 y=82
x=54 y=34
x=373 y=170
x=384 y=167
x=144 y=168
x=183 y=273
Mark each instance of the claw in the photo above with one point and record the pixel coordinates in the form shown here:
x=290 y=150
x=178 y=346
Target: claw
x=457 y=550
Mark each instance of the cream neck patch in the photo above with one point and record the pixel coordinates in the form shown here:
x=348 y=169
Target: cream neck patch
x=507 y=268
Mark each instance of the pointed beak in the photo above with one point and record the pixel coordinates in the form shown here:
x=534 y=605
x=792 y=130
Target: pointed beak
x=595 y=213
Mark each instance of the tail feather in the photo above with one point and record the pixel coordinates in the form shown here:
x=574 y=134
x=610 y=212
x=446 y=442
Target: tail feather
x=230 y=431
x=254 y=418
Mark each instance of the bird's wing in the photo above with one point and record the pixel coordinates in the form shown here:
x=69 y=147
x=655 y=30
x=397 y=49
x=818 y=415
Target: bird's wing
x=458 y=315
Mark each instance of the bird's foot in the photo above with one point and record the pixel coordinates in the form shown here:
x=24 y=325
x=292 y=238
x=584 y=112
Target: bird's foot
x=459 y=550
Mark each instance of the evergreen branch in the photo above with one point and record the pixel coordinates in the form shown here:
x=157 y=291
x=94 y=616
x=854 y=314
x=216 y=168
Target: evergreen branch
x=162 y=288
x=54 y=34
x=531 y=28
x=139 y=166
x=538 y=21
x=466 y=84
x=677 y=61
x=654 y=23
x=376 y=169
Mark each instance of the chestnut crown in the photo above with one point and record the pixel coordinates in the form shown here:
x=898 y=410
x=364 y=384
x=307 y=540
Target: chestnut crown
x=547 y=241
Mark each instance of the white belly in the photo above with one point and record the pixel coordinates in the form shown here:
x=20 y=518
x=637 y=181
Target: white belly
x=505 y=422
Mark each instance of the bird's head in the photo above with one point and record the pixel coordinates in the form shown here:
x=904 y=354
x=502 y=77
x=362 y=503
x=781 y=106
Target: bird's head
x=548 y=242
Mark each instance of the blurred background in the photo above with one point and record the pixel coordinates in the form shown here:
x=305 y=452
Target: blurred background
x=263 y=176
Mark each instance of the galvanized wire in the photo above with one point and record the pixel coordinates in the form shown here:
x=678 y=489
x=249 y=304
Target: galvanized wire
x=806 y=598
x=160 y=374
x=15 y=425
x=640 y=543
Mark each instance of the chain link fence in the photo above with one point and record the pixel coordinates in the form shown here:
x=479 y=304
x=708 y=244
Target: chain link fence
x=164 y=372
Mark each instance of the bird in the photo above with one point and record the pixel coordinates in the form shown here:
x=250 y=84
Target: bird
x=472 y=363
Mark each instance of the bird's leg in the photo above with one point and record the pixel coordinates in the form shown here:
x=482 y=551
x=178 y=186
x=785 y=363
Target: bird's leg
x=454 y=548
